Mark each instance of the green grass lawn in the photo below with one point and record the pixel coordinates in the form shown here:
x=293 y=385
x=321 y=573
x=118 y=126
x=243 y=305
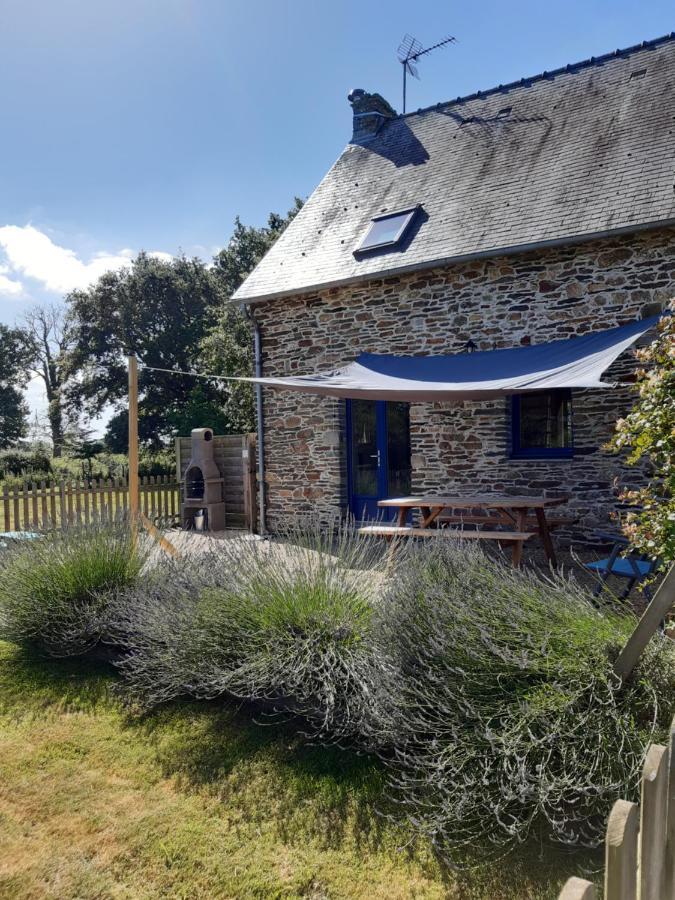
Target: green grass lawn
x=198 y=801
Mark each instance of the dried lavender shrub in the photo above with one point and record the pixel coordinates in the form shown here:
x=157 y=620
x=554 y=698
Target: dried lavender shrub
x=287 y=621
x=56 y=591
x=508 y=717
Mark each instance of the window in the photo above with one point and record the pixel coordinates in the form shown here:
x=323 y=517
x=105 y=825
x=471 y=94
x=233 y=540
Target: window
x=387 y=230
x=542 y=425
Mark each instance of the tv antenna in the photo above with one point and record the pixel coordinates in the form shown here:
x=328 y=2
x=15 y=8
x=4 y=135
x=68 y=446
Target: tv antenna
x=409 y=52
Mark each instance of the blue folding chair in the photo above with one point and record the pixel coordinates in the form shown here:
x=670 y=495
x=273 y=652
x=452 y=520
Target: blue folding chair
x=636 y=567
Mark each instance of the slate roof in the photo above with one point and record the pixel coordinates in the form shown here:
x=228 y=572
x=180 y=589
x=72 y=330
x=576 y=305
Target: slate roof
x=563 y=156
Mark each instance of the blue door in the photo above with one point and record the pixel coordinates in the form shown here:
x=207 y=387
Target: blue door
x=378 y=455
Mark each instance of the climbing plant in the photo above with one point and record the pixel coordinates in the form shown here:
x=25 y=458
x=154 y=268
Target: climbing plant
x=648 y=433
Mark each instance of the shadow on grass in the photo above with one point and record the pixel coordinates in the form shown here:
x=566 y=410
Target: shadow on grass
x=260 y=764
x=31 y=682
x=269 y=774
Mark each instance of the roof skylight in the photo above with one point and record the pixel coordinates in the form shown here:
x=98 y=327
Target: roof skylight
x=387 y=230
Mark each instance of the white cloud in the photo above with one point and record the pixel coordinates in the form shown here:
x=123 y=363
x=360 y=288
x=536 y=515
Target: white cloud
x=31 y=253
x=9 y=287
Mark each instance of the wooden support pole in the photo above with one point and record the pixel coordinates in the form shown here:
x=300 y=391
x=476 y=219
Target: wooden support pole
x=133 y=445
x=165 y=544
x=648 y=625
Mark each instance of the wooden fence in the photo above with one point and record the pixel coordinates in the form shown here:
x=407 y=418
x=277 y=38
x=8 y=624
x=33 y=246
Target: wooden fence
x=54 y=504
x=49 y=504
x=640 y=839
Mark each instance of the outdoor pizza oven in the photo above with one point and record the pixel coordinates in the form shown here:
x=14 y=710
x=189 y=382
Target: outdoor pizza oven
x=203 y=484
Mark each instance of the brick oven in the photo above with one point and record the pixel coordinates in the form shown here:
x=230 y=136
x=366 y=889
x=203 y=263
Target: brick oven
x=202 y=487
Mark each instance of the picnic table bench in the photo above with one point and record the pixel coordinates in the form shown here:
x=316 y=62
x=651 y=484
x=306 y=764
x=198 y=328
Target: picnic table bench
x=523 y=518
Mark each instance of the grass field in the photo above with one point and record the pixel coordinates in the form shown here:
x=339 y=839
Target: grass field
x=198 y=801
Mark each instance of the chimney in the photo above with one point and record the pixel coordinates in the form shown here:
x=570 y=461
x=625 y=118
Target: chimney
x=371 y=111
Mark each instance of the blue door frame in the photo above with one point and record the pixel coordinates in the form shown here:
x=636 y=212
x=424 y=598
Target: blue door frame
x=374 y=481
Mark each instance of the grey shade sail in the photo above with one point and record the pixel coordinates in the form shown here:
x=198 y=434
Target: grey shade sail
x=573 y=363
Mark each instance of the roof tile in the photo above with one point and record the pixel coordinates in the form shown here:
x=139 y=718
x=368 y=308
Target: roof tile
x=584 y=150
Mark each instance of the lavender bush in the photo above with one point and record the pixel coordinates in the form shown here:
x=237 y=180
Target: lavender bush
x=507 y=713
x=56 y=591
x=288 y=622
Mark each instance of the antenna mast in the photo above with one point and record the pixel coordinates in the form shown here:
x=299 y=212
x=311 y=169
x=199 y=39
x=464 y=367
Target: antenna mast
x=409 y=52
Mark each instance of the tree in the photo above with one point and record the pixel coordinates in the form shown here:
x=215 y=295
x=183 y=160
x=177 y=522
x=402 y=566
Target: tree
x=174 y=316
x=247 y=246
x=46 y=338
x=13 y=366
x=648 y=433
x=227 y=348
x=158 y=311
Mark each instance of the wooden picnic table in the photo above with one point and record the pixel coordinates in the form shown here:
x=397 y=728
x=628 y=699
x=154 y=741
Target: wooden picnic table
x=512 y=511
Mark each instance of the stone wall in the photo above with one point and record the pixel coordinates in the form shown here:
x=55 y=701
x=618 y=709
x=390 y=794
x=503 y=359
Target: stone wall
x=464 y=446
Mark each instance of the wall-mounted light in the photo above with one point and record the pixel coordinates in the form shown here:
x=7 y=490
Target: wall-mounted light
x=470 y=346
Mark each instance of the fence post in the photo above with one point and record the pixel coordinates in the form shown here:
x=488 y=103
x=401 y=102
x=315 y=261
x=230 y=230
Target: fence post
x=52 y=504
x=15 y=508
x=25 y=493
x=44 y=515
x=78 y=502
x=577 y=889
x=621 y=851
x=653 y=825
x=62 y=498
x=5 y=508
x=34 y=505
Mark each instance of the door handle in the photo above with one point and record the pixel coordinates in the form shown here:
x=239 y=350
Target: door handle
x=376 y=456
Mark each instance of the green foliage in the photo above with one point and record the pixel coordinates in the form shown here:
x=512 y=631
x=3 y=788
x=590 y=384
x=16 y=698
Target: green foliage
x=172 y=315
x=648 y=434
x=505 y=717
x=199 y=411
x=20 y=466
x=27 y=464
x=227 y=348
x=155 y=309
x=488 y=692
x=247 y=246
x=55 y=591
x=116 y=436
x=13 y=369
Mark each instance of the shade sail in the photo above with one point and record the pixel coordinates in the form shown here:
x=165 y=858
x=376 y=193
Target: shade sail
x=573 y=363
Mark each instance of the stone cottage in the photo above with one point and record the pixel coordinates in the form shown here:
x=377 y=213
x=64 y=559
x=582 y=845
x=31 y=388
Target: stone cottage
x=533 y=211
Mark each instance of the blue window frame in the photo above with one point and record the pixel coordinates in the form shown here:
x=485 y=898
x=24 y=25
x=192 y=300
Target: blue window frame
x=541 y=425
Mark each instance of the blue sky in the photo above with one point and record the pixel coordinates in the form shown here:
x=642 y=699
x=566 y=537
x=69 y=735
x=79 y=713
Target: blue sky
x=150 y=124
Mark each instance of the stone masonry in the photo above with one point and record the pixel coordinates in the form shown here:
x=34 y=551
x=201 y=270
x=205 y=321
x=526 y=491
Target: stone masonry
x=460 y=447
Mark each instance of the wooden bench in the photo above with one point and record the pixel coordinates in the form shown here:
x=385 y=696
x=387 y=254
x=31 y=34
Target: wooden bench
x=516 y=538
x=530 y=521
